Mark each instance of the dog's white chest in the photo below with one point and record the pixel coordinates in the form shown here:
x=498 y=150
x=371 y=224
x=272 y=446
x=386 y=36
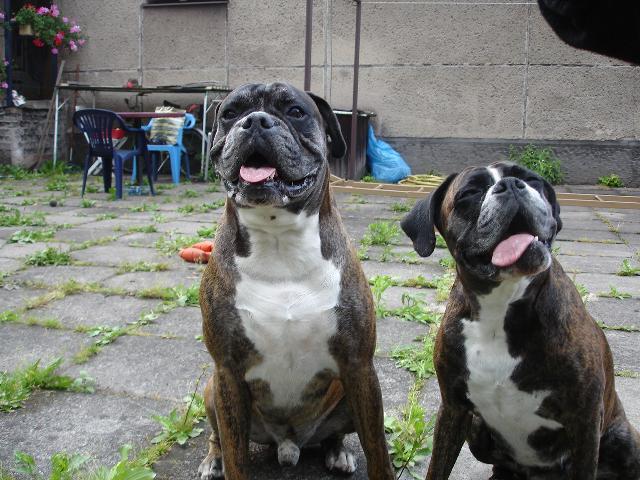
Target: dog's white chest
x=285 y=297
x=508 y=410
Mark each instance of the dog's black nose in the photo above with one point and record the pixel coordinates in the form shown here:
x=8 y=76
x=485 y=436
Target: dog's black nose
x=258 y=120
x=509 y=183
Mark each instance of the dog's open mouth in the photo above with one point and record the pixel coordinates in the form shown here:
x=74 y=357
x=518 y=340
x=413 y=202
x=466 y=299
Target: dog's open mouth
x=257 y=172
x=514 y=246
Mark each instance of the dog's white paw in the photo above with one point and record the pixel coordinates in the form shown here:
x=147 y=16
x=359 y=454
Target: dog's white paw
x=341 y=460
x=211 y=468
x=288 y=453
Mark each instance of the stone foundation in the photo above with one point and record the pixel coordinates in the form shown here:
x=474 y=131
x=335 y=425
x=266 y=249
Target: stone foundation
x=20 y=130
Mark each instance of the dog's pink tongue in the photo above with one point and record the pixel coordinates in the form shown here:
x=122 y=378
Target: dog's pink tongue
x=511 y=249
x=256 y=175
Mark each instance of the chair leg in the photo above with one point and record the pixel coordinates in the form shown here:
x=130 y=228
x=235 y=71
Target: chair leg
x=174 y=157
x=187 y=167
x=148 y=165
x=85 y=172
x=119 y=174
x=134 y=171
x=106 y=173
x=154 y=165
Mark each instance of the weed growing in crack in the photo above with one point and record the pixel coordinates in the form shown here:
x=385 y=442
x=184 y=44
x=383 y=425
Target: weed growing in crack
x=381 y=233
x=48 y=256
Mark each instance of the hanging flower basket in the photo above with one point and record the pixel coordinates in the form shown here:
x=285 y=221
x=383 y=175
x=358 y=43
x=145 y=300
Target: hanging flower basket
x=49 y=28
x=25 y=30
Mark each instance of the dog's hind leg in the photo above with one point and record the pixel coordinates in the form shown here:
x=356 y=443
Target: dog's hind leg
x=619 y=456
x=211 y=467
x=338 y=458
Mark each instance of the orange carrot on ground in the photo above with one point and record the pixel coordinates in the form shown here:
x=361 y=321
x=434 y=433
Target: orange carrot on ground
x=194 y=255
x=206 y=246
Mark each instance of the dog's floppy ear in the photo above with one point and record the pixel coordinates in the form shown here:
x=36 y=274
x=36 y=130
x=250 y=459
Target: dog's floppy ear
x=550 y=193
x=419 y=223
x=337 y=147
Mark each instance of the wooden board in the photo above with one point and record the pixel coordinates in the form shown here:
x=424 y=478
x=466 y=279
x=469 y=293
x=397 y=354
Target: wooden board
x=414 y=191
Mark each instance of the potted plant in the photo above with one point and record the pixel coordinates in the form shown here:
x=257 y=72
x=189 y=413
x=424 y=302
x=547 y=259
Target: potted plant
x=50 y=28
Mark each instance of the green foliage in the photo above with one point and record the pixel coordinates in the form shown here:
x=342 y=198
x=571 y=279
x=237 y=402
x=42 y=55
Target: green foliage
x=58 y=183
x=614 y=293
x=63 y=465
x=16 y=386
x=415 y=309
x=208 y=232
x=179 y=296
x=379 y=284
x=145 y=207
x=418 y=282
x=410 y=436
x=123 y=470
x=448 y=262
x=143 y=229
x=13 y=218
x=381 y=233
x=611 y=180
x=356 y=198
x=173 y=243
x=440 y=243
x=86 y=203
x=400 y=207
x=443 y=286
x=91 y=188
x=106 y=334
x=417 y=359
x=180 y=427
x=190 y=194
x=363 y=253
x=628 y=270
x=582 y=290
x=9 y=316
x=618 y=328
x=627 y=374
x=141 y=267
x=369 y=179
x=106 y=216
x=48 y=256
x=387 y=254
x=11 y=172
x=541 y=160
x=31 y=236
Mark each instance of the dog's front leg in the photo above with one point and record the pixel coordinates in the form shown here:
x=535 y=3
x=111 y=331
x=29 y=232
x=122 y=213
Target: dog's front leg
x=365 y=401
x=451 y=430
x=233 y=413
x=585 y=449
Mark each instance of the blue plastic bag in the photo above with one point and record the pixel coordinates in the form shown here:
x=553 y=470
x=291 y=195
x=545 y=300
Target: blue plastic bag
x=385 y=164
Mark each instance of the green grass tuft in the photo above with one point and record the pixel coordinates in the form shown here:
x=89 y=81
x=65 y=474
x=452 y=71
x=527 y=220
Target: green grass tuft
x=541 y=160
x=48 y=256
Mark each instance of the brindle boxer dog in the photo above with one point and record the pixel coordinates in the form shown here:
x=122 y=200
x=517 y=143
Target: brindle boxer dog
x=287 y=312
x=525 y=373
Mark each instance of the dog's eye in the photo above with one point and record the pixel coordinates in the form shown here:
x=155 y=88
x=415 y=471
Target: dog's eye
x=295 y=112
x=229 y=114
x=469 y=193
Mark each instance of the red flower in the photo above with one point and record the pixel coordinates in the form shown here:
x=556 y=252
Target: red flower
x=29 y=6
x=38 y=43
x=57 y=41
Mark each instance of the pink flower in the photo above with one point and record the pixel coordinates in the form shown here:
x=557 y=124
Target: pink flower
x=6 y=63
x=42 y=11
x=81 y=41
x=54 y=51
x=55 y=12
x=73 y=46
x=4 y=85
x=59 y=35
x=1 y=15
x=65 y=20
x=75 y=29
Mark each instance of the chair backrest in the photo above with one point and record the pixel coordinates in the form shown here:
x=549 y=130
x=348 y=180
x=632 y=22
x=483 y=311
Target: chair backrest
x=97 y=126
x=172 y=128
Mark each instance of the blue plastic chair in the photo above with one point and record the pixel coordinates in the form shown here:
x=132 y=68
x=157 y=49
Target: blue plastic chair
x=177 y=152
x=97 y=126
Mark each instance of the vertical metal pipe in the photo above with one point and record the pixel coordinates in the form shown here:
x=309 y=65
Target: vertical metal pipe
x=351 y=166
x=55 y=126
x=8 y=51
x=307 y=46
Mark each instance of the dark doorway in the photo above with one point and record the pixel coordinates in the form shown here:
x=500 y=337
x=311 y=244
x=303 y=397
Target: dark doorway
x=34 y=69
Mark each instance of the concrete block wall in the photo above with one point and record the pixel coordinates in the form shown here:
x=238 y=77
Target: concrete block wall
x=467 y=70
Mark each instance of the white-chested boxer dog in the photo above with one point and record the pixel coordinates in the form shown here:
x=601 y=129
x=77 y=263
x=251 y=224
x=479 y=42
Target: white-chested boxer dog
x=287 y=312
x=525 y=373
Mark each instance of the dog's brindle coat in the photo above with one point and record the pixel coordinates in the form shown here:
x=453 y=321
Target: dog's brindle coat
x=525 y=373
x=276 y=238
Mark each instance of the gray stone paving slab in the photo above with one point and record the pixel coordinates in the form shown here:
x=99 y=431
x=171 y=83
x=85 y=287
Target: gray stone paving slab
x=93 y=309
x=116 y=253
x=23 y=344
x=393 y=332
x=137 y=281
x=13 y=297
x=52 y=276
x=402 y=270
x=21 y=250
x=615 y=312
x=83 y=234
x=93 y=424
x=600 y=283
x=593 y=235
x=149 y=366
x=9 y=265
x=624 y=346
x=595 y=250
x=586 y=264
x=183 y=322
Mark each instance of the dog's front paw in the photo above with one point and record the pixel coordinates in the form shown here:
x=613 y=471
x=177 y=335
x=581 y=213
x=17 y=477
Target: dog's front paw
x=211 y=468
x=288 y=454
x=341 y=460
